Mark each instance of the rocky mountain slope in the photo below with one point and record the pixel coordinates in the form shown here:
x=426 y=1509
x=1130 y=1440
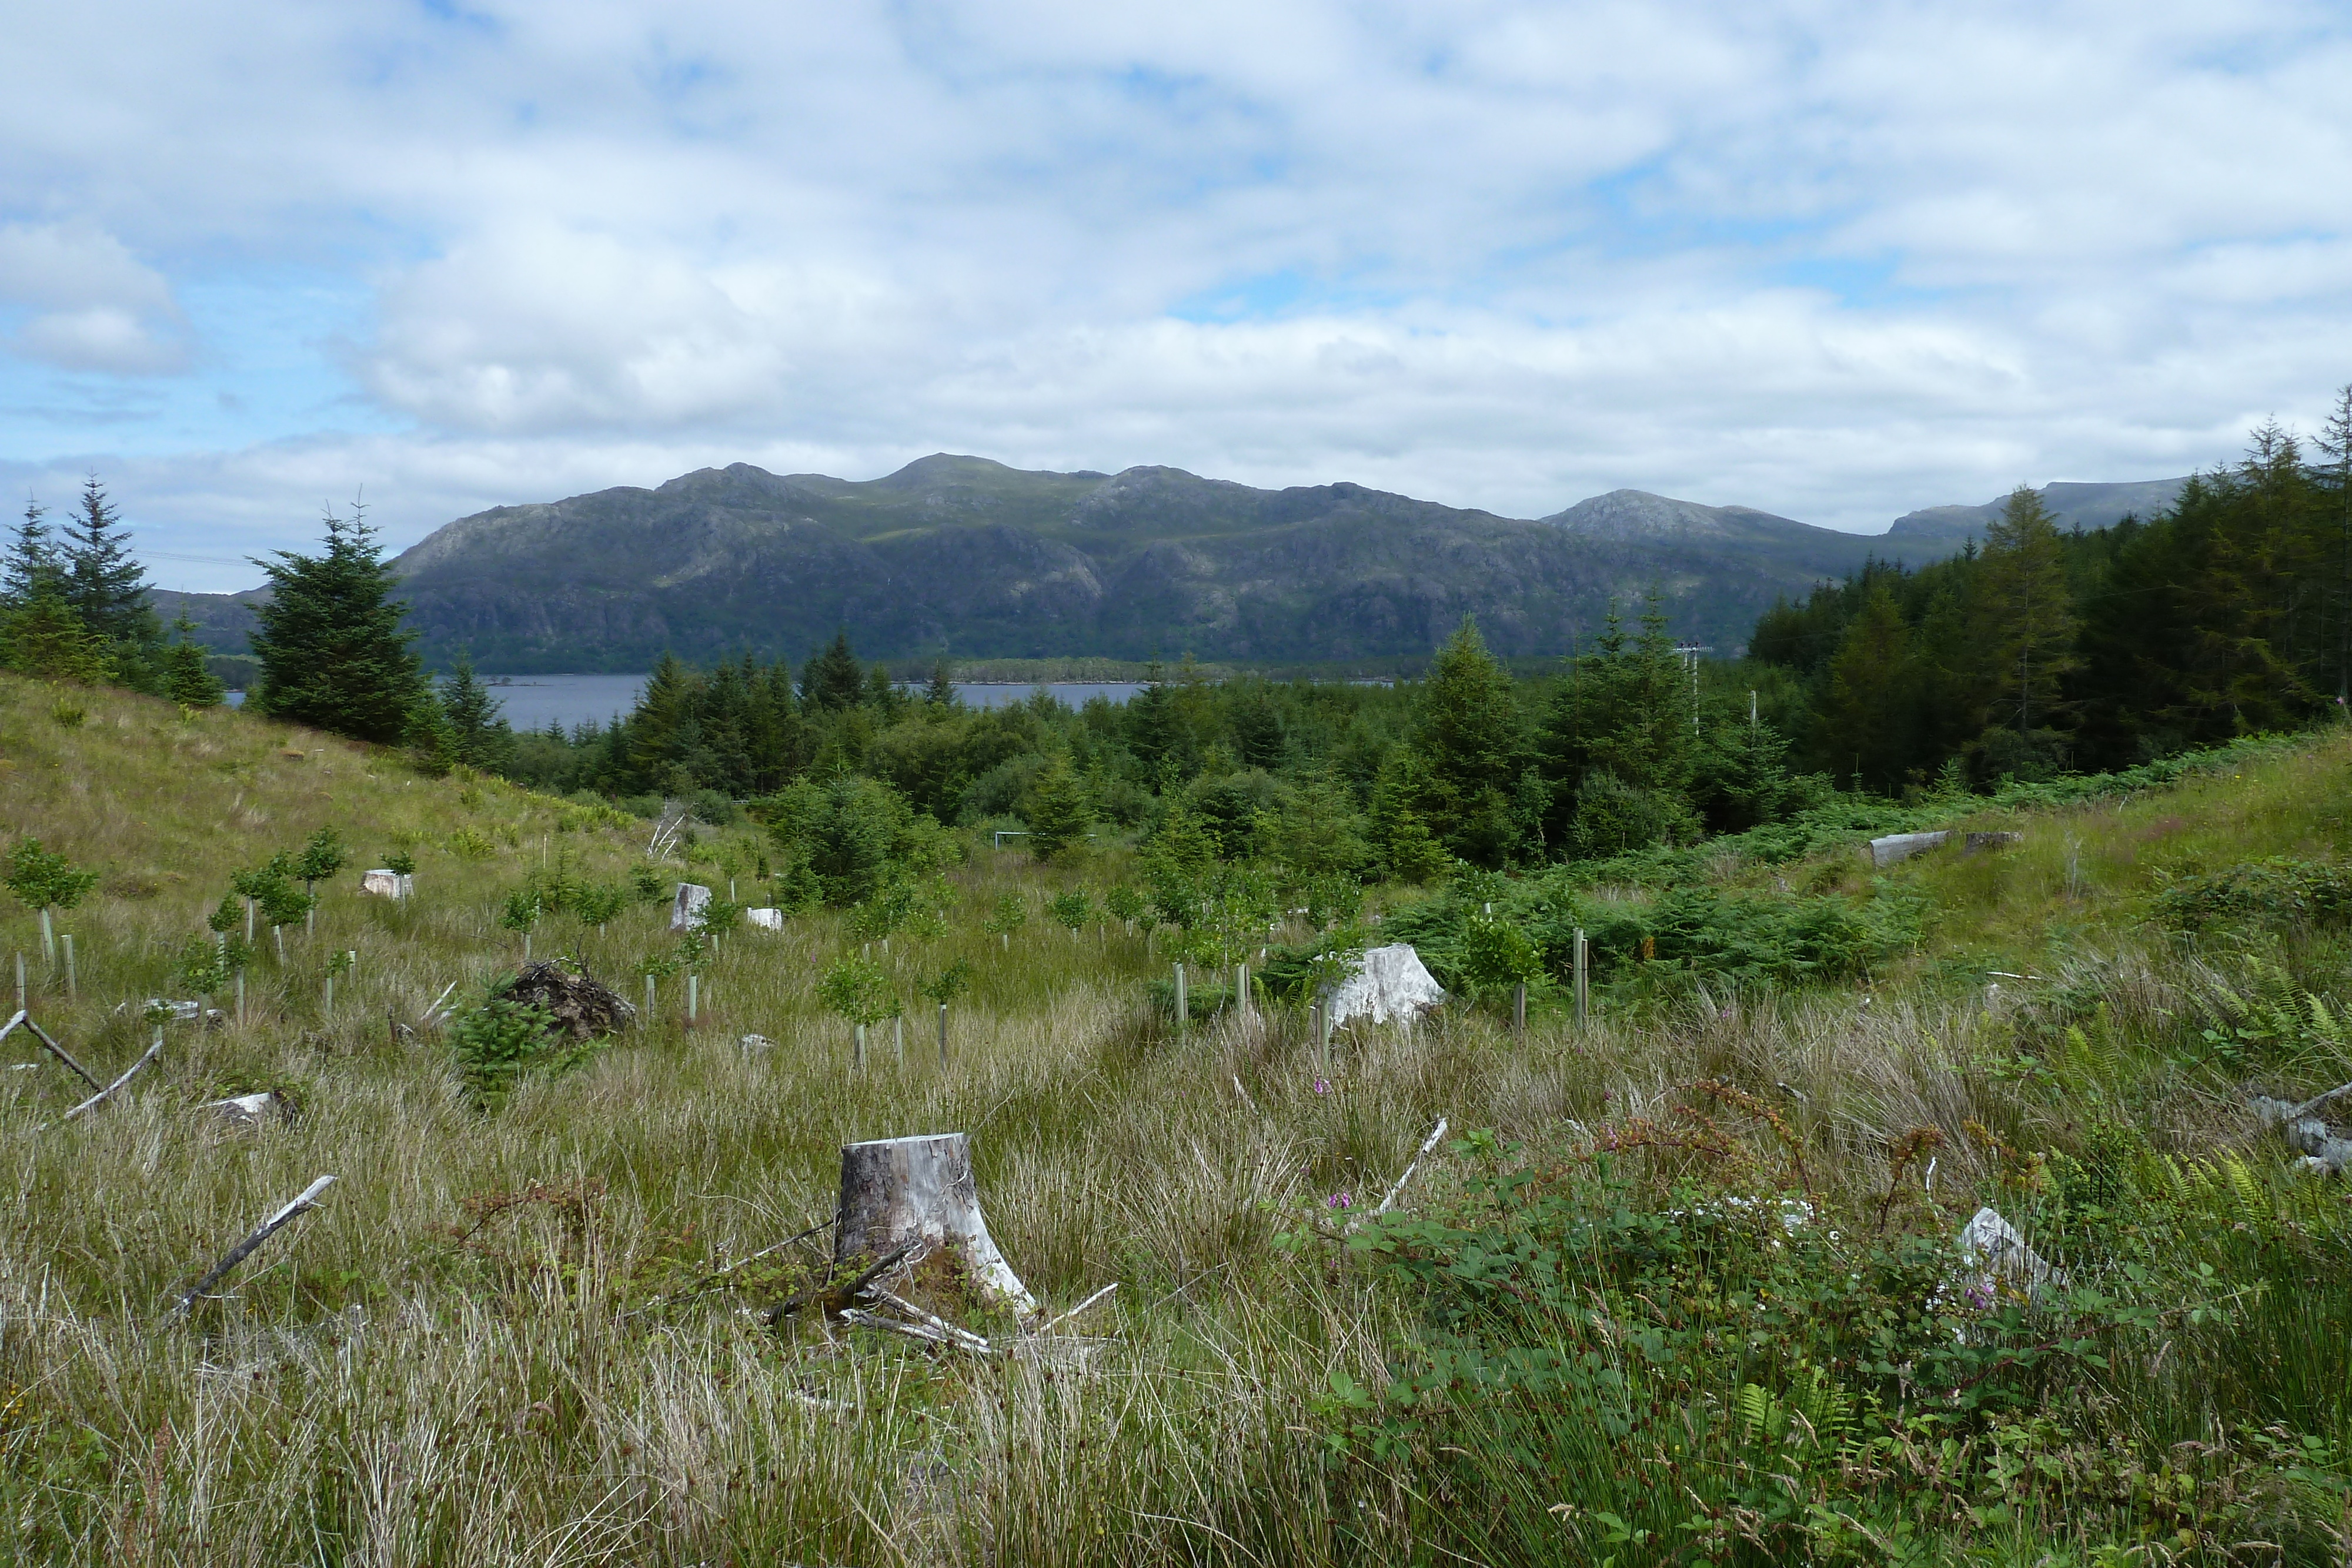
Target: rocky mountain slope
x=966 y=558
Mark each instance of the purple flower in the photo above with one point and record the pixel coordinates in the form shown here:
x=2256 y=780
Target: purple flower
x=1336 y=1200
x=1322 y=1086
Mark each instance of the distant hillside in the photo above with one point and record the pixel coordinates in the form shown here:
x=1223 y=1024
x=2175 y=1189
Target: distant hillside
x=968 y=559
x=2075 y=506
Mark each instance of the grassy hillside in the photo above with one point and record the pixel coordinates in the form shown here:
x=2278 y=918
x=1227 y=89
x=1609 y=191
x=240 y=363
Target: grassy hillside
x=1619 y=1343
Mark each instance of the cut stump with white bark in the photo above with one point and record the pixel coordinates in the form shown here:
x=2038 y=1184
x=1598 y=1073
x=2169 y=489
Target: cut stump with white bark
x=920 y=1189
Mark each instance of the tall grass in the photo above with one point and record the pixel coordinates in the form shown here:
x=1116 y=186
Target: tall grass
x=461 y=1357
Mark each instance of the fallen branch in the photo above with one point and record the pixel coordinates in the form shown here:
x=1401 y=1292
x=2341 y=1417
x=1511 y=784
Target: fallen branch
x=438 y=1001
x=2311 y=1107
x=1427 y=1145
x=964 y=1337
x=59 y=1052
x=1081 y=1307
x=860 y=1317
x=243 y=1249
x=100 y=1098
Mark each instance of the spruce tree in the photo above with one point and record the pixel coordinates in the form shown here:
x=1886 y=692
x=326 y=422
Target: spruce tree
x=1469 y=738
x=32 y=558
x=941 y=694
x=834 y=680
x=186 y=679
x=44 y=637
x=104 y=581
x=1870 y=712
x=1057 y=810
x=332 y=653
x=480 y=735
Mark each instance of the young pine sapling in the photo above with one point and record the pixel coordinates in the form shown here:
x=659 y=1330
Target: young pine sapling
x=44 y=882
x=318 y=862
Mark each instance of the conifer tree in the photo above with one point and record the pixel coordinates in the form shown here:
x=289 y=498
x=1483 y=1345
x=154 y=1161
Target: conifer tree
x=32 y=558
x=1869 y=714
x=941 y=694
x=834 y=680
x=1057 y=810
x=44 y=637
x=104 y=581
x=2335 y=478
x=332 y=653
x=1469 y=738
x=2028 y=617
x=186 y=679
x=480 y=735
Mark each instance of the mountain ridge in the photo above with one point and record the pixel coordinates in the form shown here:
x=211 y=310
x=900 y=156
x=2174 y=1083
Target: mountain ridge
x=955 y=555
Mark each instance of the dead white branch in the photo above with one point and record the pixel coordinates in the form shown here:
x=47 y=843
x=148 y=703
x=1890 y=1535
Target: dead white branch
x=952 y=1339
x=100 y=1098
x=1427 y=1145
x=59 y=1052
x=2305 y=1131
x=243 y=1249
x=1081 y=1307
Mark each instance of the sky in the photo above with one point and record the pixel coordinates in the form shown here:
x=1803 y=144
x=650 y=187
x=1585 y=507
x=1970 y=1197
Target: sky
x=1835 y=260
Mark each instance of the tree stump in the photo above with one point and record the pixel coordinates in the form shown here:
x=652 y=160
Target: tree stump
x=896 y=1190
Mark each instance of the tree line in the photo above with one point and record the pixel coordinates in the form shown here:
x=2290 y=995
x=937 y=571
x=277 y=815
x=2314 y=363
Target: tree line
x=74 y=607
x=2046 y=651
x=2041 y=652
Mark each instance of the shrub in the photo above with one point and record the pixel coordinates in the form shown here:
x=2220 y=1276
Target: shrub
x=498 y=1039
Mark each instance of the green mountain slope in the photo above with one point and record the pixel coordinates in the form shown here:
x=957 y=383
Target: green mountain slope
x=961 y=557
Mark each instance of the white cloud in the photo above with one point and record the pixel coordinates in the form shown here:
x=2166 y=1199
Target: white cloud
x=1835 y=258
x=94 y=306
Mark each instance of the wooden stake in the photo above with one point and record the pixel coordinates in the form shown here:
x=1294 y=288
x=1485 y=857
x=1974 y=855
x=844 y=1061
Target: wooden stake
x=1241 y=989
x=48 y=940
x=898 y=1035
x=240 y=999
x=650 y=1003
x=71 y=990
x=693 y=997
x=1519 y=1010
x=243 y=1249
x=1183 y=1011
x=1583 y=984
x=20 y=982
x=327 y=1008
x=943 y=1037
x=278 y=935
x=858 y=1060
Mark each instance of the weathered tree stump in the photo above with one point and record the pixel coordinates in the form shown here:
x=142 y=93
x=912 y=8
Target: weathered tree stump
x=687 y=907
x=895 y=1191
